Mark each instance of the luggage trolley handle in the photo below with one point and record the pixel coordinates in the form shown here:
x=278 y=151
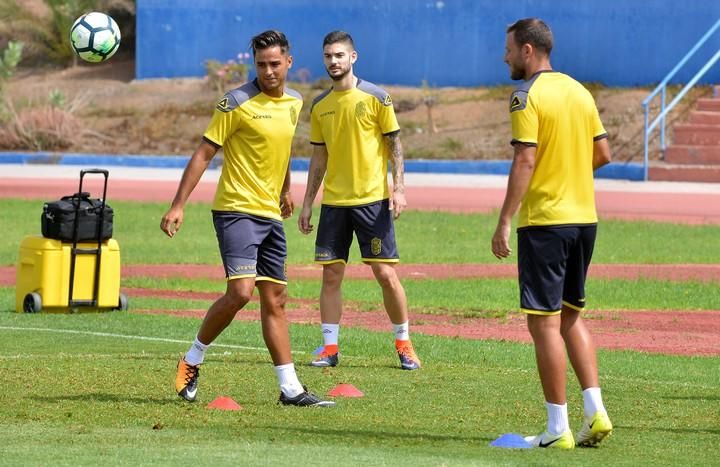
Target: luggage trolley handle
x=75 y=250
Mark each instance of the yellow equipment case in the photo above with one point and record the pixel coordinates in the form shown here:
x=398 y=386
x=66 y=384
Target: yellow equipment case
x=54 y=276
x=43 y=277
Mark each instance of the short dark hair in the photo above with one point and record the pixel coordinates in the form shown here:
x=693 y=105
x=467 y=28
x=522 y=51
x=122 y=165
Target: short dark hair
x=270 y=38
x=338 y=36
x=532 y=31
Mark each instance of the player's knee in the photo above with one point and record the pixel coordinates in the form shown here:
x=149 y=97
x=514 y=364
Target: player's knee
x=279 y=299
x=274 y=306
x=238 y=297
x=541 y=326
x=566 y=328
x=533 y=326
x=568 y=319
x=387 y=278
x=332 y=278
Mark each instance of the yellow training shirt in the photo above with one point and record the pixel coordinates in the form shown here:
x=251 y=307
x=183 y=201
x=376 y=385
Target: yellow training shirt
x=558 y=115
x=255 y=132
x=352 y=124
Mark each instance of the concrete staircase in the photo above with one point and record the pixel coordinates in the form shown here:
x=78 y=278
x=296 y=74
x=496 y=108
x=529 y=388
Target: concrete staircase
x=694 y=155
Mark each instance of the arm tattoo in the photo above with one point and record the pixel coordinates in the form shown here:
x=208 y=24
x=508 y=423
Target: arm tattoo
x=315 y=181
x=397 y=162
x=316 y=173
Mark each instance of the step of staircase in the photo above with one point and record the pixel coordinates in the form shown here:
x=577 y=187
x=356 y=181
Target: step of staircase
x=704 y=117
x=684 y=173
x=696 y=134
x=708 y=104
x=694 y=155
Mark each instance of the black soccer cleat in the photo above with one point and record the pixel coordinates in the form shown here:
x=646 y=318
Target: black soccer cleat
x=304 y=399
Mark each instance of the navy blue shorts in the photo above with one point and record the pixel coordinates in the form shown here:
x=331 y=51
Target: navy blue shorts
x=251 y=246
x=552 y=267
x=372 y=224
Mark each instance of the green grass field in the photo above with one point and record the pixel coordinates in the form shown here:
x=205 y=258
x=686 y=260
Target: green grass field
x=88 y=398
x=423 y=237
x=90 y=389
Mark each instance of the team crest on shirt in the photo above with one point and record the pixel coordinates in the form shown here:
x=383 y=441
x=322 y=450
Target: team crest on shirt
x=293 y=115
x=375 y=246
x=360 y=110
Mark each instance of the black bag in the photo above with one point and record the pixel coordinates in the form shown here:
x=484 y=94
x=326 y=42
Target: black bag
x=58 y=218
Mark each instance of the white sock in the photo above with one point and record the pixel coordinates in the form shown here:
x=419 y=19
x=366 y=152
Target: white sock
x=196 y=354
x=288 y=380
x=331 y=332
x=557 y=418
x=592 y=401
x=402 y=331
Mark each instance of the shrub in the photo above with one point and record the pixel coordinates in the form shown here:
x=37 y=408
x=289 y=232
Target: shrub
x=302 y=75
x=451 y=145
x=8 y=62
x=404 y=105
x=322 y=83
x=222 y=75
x=39 y=129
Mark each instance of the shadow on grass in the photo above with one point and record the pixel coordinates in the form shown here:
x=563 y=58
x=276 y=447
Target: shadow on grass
x=698 y=430
x=171 y=399
x=343 y=434
x=714 y=397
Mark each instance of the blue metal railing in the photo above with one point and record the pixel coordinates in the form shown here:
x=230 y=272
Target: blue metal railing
x=662 y=89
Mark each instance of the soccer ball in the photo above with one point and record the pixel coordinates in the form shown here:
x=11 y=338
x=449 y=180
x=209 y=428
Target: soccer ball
x=95 y=37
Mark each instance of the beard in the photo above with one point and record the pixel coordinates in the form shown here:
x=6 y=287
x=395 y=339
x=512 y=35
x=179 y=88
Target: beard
x=517 y=73
x=338 y=77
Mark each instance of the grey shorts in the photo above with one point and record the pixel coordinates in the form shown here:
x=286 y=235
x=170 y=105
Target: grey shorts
x=251 y=246
x=372 y=224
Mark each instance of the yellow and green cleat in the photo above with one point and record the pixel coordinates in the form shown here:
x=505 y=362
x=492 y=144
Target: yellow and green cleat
x=594 y=429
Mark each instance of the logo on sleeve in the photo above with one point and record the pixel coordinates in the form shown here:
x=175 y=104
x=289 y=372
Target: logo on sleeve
x=223 y=104
x=518 y=101
x=387 y=100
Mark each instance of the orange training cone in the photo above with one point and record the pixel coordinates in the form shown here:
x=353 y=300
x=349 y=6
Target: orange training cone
x=224 y=403
x=345 y=390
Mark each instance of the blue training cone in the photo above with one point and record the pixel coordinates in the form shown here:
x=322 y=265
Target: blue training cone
x=512 y=441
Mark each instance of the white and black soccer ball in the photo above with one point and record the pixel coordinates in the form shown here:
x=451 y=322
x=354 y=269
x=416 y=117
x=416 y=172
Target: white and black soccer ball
x=95 y=37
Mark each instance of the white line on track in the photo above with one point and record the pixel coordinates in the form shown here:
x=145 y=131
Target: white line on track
x=125 y=336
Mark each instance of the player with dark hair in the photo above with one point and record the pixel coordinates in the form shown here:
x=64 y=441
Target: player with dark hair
x=354 y=133
x=255 y=125
x=270 y=39
x=559 y=141
x=336 y=37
